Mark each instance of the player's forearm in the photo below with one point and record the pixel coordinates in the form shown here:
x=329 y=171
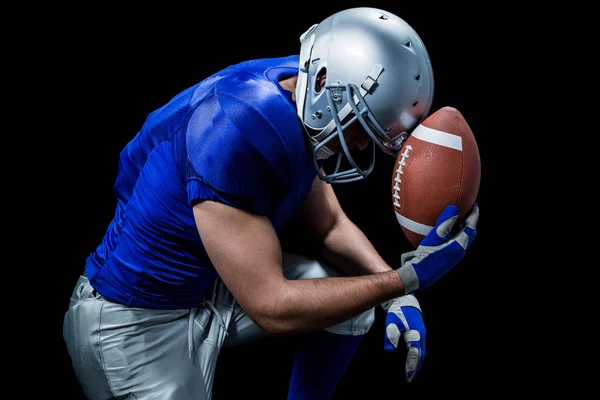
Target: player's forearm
x=312 y=304
x=347 y=247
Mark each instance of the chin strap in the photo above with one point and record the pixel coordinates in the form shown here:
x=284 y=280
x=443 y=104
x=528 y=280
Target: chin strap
x=323 y=152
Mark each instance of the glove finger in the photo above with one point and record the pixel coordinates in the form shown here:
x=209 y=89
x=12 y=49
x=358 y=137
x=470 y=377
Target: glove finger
x=464 y=239
x=472 y=233
x=392 y=337
x=422 y=344
x=413 y=360
x=467 y=232
x=471 y=224
x=442 y=228
x=473 y=218
x=446 y=220
x=421 y=356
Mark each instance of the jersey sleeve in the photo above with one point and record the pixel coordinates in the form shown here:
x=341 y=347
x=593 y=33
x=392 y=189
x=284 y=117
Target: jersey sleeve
x=235 y=155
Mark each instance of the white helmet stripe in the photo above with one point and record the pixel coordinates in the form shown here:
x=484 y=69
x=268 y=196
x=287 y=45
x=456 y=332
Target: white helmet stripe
x=301 y=85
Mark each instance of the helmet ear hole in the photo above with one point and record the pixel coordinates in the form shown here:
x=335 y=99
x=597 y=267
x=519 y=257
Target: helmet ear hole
x=321 y=79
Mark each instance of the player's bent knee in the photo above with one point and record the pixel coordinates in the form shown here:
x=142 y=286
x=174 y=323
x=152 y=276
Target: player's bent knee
x=300 y=267
x=359 y=325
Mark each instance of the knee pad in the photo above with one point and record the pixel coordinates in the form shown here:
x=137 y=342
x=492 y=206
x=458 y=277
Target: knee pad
x=359 y=325
x=299 y=267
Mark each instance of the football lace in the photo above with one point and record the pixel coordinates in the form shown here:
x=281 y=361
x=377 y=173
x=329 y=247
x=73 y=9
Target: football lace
x=398 y=177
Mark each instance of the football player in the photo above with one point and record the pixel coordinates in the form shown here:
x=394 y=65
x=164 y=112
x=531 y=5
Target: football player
x=192 y=260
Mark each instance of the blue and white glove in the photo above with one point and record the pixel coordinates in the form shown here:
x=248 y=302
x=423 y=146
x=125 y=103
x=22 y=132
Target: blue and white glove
x=439 y=251
x=404 y=319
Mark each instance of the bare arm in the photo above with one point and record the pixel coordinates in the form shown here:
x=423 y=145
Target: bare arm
x=246 y=253
x=341 y=241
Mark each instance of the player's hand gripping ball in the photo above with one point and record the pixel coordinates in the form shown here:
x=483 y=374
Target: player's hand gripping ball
x=439 y=251
x=438 y=165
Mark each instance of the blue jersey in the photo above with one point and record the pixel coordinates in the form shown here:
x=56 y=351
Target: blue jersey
x=234 y=138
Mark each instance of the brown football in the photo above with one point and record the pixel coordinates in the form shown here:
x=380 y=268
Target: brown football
x=439 y=164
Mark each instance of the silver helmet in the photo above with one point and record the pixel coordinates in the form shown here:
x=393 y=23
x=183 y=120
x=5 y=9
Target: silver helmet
x=362 y=64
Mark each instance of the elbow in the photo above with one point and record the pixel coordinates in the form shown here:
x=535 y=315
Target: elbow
x=274 y=318
x=273 y=327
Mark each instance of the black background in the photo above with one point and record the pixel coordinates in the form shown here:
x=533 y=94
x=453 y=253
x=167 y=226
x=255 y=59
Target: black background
x=113 y=66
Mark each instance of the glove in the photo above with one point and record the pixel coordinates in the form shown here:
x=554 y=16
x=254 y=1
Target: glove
x=439 y=251
x=404 y=318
